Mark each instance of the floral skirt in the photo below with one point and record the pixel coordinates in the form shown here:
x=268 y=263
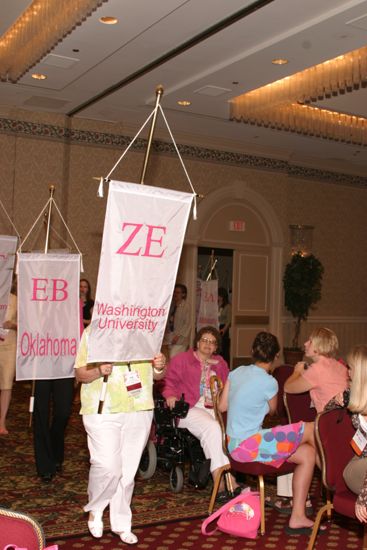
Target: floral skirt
x=272 y=446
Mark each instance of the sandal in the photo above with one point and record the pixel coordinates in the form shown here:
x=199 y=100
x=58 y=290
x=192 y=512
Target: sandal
x=95 y=525
x=128 y=537
x=284 y=505
x=304 y=530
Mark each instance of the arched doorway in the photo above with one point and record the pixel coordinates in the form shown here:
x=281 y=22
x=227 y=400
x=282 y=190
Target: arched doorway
x=240 y=219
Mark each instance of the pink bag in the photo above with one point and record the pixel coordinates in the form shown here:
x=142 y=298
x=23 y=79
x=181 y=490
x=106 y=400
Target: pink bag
x=239 y=517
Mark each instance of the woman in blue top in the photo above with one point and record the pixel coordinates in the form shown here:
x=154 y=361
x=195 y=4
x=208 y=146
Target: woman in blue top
x=249 y=394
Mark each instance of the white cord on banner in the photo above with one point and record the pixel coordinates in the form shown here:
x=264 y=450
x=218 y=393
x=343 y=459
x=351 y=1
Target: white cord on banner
x=48 y=203
x=182 y=163
x=9 y=218
x=33 y=226
x=100 y=188
x=59 y=236
x=70 y=235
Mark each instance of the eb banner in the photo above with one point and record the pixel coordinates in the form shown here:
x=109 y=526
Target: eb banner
x=48 y=315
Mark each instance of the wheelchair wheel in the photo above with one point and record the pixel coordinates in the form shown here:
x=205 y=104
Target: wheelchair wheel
x=176 y=479
x=148 y=461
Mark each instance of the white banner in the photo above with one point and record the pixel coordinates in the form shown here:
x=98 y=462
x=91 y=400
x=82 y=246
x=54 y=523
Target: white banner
x=142 y=240
x=48 y=315
x=208 y=311
x=8 y=246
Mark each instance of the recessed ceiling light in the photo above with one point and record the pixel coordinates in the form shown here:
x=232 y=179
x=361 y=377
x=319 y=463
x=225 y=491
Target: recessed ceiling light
x=39 y=76
x=280 y=61
x=109 y=20
x=183 y=103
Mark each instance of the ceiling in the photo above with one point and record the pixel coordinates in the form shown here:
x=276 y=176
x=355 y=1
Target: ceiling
x=203 y=51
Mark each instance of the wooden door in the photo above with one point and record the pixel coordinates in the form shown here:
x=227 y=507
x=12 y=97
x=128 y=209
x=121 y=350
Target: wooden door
x=250 y=300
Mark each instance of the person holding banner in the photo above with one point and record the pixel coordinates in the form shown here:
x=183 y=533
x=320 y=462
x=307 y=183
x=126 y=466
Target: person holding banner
x=88 y=302
x=8 y=348
x=224 y=319
x=49 y=437
x=179 y=322
x=188 y=374
x=117 y=435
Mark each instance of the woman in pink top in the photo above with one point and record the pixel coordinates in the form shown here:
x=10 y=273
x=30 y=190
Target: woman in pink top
x=189 y=374
x=325 y=376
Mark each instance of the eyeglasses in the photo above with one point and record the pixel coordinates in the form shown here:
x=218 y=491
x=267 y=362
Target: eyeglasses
x=207 y=341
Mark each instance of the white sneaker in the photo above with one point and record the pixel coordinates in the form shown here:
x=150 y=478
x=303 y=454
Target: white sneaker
x=95 y=525
x=128 y=537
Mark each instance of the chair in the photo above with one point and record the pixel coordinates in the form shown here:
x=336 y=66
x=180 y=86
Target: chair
x=249 y=468
x=333 y=432
x=21 y=530
x=281 y=374
x=298 y=407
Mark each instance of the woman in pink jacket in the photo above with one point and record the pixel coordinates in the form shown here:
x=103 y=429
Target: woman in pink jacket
x=188 y=374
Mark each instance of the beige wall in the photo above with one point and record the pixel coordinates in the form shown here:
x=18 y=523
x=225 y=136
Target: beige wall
x=33 y=155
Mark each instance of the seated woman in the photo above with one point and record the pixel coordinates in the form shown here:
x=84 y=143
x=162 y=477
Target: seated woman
x=325 y=376
x=189 y=374
x=355 y=473
x=249 y=394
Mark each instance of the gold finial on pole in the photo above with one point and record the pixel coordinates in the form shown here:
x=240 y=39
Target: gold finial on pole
x=159 y=93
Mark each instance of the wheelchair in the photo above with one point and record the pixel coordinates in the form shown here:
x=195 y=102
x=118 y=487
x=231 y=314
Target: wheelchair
x=171 y=447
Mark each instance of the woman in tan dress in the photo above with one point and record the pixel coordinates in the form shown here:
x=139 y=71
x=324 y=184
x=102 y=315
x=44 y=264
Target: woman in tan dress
x=8 y=348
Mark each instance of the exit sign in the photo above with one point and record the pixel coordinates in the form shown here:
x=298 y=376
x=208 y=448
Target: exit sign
x=237 y=225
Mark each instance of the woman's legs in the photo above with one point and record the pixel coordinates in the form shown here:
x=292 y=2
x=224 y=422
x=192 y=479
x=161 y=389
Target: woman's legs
x=105 y=459
x=203 y=425
x=133 y=437
x=5 y=397
x=116 y=442
x=309 y=437
x=304 y=458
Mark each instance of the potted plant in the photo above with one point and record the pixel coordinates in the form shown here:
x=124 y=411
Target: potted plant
x=302 y=290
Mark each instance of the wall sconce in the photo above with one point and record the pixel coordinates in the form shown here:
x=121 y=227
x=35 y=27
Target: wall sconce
x=301 y=239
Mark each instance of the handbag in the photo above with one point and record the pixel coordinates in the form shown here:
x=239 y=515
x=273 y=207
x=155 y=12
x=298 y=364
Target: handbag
x=239 y=517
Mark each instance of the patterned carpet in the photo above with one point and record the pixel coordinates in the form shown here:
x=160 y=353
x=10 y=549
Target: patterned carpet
x=60 y=503
x=162 y=520
x=186 y=535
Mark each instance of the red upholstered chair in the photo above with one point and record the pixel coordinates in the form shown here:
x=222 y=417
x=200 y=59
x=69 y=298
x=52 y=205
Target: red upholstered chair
x=298 y=406
x=281 y=374
x=249 y=468
x=333 y=431
x=20 y=530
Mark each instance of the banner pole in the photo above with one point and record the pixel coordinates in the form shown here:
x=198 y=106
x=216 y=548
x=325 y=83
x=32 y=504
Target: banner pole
x=31 y=399
x=159 y=93
x=103 y=394
x=52 y=191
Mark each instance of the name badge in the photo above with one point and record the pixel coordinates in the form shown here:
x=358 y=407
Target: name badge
x=132 y=383
x=359 y=442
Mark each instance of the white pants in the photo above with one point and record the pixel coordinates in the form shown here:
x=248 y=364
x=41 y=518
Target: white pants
x=115 y=442
x=202 y=424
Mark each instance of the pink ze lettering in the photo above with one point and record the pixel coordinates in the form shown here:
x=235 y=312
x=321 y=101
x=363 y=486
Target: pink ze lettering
x=153 y=237
x=53 y=290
